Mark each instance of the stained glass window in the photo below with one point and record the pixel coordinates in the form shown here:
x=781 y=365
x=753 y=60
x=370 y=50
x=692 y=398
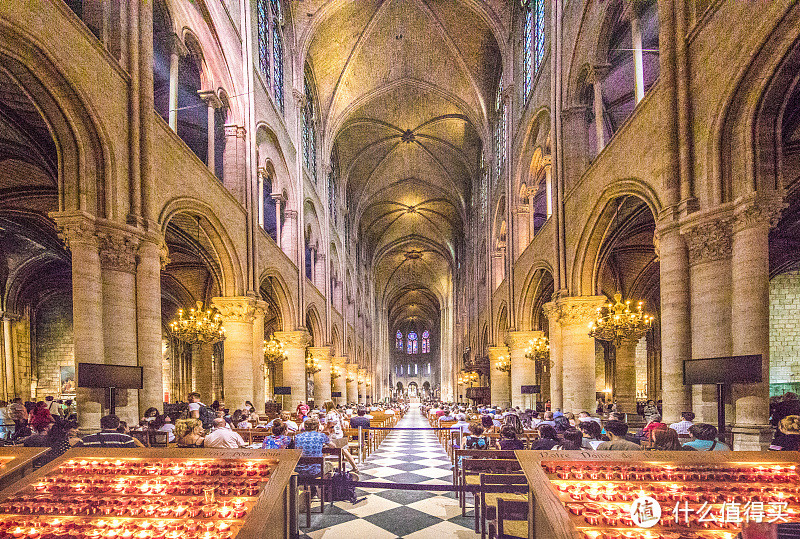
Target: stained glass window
x=309 y=132
x=500 y=128
x=411 y=343
x=332 y=179
x=263 y=38
x=277 y=54
x=426 y=342
x=276 y=11
x=539 y=31
x=399 y=340
x=527 y=40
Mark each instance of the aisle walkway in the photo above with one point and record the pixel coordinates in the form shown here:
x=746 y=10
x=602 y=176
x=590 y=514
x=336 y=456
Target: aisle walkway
x=404 y=457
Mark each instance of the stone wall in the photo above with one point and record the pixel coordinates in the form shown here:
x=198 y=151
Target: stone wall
x=54 y=344
x=784 y=328
x=22 y=357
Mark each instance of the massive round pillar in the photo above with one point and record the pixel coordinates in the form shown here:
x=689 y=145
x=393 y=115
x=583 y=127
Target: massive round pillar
x=500 y=383
x=322 y=379
x=523 y=370
x=294 y=368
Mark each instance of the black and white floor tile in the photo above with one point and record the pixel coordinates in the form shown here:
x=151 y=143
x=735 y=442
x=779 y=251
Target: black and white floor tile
x=404 y=457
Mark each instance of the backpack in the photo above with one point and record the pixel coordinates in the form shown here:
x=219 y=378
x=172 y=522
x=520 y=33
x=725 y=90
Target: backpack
x=342 y=487
x=206 y=416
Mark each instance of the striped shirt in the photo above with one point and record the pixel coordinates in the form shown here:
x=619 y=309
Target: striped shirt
x=108 y=438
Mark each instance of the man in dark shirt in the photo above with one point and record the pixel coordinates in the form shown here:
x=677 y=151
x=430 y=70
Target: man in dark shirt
x=360 y=420
x=108 y=437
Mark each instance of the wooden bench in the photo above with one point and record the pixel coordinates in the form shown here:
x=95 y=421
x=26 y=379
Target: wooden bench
x=511 y=520
x=513 y=486
x=462 y=457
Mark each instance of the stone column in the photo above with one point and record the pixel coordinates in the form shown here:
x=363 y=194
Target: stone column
x=750 y=315
x=288 y=241
x=500 y=384
x=77 y=230
x=675 y=322
x=523 y=370
x=213 y=103
x=294 y=367
x=625 y=377
x=340 y=383
x=638 y=61
x=9 y=387
x=177 y=50
x=201 y=357
x=577 y=350
x=278 y=198
x=319 y=273
x=596 y=78
x=709 y=244
x=117 y=250
x=352 y=383
x=238 y=315
x=259 y=369
x=556 y=358
x=362 y=388
x=322 y=379
x=148 y=314
x=524 y=228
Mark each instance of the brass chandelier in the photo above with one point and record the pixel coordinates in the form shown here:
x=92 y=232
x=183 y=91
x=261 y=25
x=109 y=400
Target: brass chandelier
x=503 y=364
x=617 y=322
x=336 y=372
x=538 y=348
x=467 y=377
x=274 y=351
x=312 y=365
x=198 y=327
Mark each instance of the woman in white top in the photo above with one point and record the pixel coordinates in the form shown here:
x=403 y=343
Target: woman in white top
x=333 y=422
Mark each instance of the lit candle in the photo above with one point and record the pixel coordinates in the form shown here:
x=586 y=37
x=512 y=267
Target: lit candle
x=143 y=534
x=18 y=532
x=126 y=534
x=224 y=511
x=592 y=534
x=116 y=523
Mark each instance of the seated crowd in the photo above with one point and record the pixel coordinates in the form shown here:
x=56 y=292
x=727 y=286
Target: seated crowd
x=492 y=427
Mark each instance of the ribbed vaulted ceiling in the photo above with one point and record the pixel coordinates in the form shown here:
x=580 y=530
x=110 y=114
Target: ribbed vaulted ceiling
x=405 y=88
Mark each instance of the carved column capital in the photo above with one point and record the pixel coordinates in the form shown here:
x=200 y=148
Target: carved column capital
x=569 y=311
x=236 y=309
x=709 y=240
x=231 y=130
x=320 y=352
x=758 y=209
x=75 y=228
x=290 y=214
x=210 y=98
x=294 y=339
x=518 y=340
x=117 y=249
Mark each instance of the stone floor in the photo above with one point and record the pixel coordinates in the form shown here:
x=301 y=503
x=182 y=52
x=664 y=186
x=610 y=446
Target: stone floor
x=404 y=457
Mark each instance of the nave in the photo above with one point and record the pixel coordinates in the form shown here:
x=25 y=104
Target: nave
x=405 y=456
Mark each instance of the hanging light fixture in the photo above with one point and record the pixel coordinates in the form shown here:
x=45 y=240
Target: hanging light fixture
x=617 y=322
x=274 y=351
x=503 y=364
x=198 y=326
x=538 y=349
x=312 y=365
x=336 y=372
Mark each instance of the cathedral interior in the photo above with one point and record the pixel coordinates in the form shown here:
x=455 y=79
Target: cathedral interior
x=408 y=195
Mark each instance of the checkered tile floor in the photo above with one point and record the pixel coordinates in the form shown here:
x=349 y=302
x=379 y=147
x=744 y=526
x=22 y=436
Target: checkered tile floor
x=403 y=457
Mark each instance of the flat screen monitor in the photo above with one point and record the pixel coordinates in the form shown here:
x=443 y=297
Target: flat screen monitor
x=101 y=375
x=531 y=390
x=722 y=370
x=283 y=390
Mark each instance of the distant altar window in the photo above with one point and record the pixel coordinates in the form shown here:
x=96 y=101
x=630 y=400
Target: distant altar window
x=411 y=343
x=398 y=340
x=426 y=342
